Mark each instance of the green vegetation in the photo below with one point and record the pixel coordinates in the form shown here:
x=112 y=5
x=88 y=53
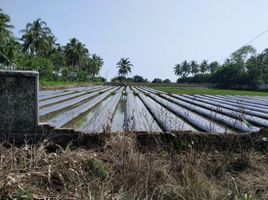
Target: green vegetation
x=204 y=90
x=157 y=80
x=135 y=79
x=45 y=83
x=124 y=67
x=244 y=67
x=37 y=49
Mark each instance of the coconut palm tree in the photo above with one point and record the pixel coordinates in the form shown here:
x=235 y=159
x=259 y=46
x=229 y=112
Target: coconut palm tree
x=5 y=27
x=35 y=37
x=58 y=58
x=96 y=63
x=204 y=66
x=177 y=70
x=76 y=53
x=212 y=67
x=50 y=46
x=8 y=45
x=186 y=68
x=124 y=67
x=11 y=53
x=194 y=67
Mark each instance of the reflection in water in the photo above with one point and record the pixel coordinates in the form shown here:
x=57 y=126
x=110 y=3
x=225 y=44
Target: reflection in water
x=56 y=113
x=83 y=119
x=119 y=116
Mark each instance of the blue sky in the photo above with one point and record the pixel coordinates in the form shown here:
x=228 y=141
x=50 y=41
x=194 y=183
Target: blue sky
x=154 y=34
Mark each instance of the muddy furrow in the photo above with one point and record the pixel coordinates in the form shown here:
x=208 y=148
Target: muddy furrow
x=67 y=92
x=242 y=104
x=253 y=99
x=138 y=119
x=102 y=121
x=244 y=100
x=166 y=119
x=152 y=90
x=50 y=96
x=66 y=97
x=259 y=112
x=69 y=103
x=234 y=112
x=42 y=94
x=231 y=122
x=66 y=116
x=197 y=120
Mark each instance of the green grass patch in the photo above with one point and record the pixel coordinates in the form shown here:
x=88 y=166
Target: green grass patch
x=45 y=83
x=211 y=91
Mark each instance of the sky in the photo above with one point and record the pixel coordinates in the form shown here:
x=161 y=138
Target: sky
x=154 y=34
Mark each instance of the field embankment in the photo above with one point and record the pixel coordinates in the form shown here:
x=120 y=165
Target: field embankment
x=184 y=89
x=57 y=85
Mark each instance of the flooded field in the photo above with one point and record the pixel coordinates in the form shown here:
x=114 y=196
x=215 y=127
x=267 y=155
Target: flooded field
x=100 y=109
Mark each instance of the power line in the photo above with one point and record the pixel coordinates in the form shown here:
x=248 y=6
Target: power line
x=252 y=40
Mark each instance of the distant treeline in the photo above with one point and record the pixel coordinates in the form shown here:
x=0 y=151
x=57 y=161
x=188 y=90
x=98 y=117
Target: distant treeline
x=38 y=49
x=138 y=79
x=244 y=67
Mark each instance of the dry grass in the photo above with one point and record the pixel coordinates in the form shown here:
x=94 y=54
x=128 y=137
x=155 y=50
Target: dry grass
x=119 y=170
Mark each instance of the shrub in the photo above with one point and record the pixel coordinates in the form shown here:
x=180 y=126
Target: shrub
x=43 y=65
x=139 y=79
x=157 y=80
x=167 y=81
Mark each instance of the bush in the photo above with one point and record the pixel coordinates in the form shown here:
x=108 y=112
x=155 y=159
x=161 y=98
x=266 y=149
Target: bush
x=98 y=79
x=198 y=78
x=139 y=79
x=167 y=81
x=157 y=80
x=229 y=76
x=43 y=65
x=69 y=74
x=118 y=79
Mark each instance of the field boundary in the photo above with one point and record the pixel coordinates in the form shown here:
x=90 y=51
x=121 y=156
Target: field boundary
x=178 y=140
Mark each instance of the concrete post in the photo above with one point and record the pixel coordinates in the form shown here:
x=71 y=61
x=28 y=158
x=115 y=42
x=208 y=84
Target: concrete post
x=18 y=102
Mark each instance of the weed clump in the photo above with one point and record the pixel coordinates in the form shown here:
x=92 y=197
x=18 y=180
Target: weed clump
x=120 y=170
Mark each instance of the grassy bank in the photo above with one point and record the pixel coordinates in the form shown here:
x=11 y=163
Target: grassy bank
x=64 y=84
x=120 y=170
x=211 y=91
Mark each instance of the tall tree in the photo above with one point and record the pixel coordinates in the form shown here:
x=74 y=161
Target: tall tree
x=8 y=45
x=204 y=66
x=178 y=70
x=76 y=53
x=5 y=28
x=35 y=37
x=10 y=54
x=186 y=68
x=50 y=46
x=94 y=65
x=124 y=66
x=227 y=62
x=212 y=67
x=240 y=55
x=264 y=60
x=257 y=68
x=194 y=67
x=58 y=58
